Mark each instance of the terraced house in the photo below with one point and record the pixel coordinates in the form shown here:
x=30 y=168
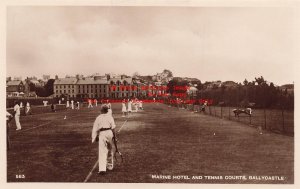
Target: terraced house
x=122 y=88
x=65 y=86
x=103 y=87
x=92 y=87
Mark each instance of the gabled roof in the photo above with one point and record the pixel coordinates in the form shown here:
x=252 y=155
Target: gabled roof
x=34 y=81
x=65 y=81
x=128 y=80
x=14 y=83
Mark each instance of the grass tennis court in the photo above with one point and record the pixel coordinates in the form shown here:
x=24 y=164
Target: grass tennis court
x=160 y=140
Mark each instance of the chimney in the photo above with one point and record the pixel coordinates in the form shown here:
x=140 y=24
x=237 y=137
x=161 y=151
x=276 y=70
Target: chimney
x=56 y=76
x=108 y=76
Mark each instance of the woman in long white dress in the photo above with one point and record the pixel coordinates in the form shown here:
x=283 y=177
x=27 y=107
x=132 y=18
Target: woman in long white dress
x=124 y=110
x=141 y=105
x=136 y=105
x=129 y=107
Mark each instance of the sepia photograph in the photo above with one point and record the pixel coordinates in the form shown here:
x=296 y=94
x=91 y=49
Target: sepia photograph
x=150 y=94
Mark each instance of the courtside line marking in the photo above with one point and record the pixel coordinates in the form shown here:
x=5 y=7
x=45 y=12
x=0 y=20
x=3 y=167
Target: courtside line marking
x=91 y=172
x=122 y=126
x=95 y=165
x=35 y=127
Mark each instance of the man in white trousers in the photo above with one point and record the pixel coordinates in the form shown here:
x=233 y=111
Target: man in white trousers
x=17 y=115
x=105 y=126
x=78 y=105
x=90 y=103
x=72 y=104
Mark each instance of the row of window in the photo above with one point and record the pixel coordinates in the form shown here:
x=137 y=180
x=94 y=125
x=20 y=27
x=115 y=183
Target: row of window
x=81 y=86
x=91 y=96
x=126 y=94
x=91 y=90
x=63 y=86
x=92 y=86
x=119 y=83
x=85 y=96
x=64 y=91
x=122 y=95
x=103 y=91
x=79 y=91
x=113 y=87
x=98 y=96
x=69 y=95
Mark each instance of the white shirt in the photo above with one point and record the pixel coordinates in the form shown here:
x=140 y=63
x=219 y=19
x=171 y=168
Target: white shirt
x=45 y=103
x=129 y=106
x=17 y=109
x=102 y=121
x=123 y=107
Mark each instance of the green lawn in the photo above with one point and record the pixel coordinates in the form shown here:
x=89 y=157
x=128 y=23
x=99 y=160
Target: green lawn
x=160 y=140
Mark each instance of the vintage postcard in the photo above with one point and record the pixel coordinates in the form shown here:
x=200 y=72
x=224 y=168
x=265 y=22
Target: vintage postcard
x=128 y=92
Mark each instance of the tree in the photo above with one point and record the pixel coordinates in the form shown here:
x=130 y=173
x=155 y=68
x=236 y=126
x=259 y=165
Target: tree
x=31 y=87
x=40 y=91
x=199 y=85
x=170 y=74
x=135 y=74
x=171 y=85
x=176 y=86
x=49 y=87
x=260 y=80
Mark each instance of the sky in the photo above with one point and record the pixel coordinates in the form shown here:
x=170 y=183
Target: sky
x=209 y=43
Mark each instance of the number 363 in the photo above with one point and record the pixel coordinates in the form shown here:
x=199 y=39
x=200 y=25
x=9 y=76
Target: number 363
x=20 y=176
